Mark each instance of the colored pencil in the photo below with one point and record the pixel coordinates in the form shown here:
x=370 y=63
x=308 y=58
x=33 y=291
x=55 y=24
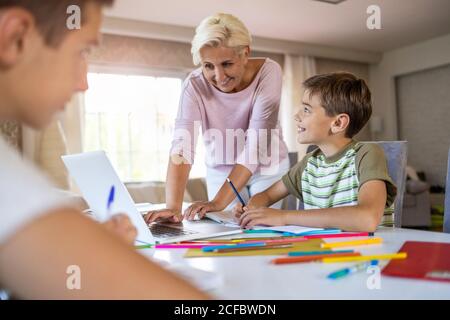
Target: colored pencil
x=331 y=245
x=310 y=253
x=388 y=256
x=184 y=246
x=317 y=257
x=276 y=246
x=143 y=246
x=340 y=235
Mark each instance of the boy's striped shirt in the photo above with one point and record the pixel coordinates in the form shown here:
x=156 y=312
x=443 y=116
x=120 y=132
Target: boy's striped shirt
x=321 y=182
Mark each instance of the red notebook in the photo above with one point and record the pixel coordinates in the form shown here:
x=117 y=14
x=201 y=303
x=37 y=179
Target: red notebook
x=426 y=261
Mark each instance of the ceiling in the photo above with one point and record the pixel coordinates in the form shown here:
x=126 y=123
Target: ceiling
x=403 y=22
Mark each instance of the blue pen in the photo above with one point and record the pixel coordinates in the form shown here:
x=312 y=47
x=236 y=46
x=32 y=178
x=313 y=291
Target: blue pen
x=356 y=268
x=233 y=246
x=236 y=192
x=110 y=199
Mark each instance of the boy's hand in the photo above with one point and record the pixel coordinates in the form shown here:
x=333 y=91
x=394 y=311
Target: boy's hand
x=121 y=226
x=262 y=216
x=238 y=209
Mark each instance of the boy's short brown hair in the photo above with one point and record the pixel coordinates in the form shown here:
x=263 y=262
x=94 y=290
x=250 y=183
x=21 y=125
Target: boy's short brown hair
x=342 y=92
x=50 y=15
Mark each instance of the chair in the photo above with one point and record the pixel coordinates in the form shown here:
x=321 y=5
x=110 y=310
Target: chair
x=447 y=198
x=396 y=155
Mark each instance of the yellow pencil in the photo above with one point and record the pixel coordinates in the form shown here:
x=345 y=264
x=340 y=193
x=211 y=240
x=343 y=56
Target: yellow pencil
x=387 y=256
x=374 y=240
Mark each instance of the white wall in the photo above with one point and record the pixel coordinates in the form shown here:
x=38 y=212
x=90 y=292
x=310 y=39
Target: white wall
x=424 y=55
x=423 y=102
x=152 y=30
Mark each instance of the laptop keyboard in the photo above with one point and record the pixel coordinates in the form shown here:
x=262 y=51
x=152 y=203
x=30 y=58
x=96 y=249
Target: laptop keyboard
x=163 y=231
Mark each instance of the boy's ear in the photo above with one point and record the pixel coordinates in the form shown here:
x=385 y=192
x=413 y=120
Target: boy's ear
x=340 y=123
x=15 y=24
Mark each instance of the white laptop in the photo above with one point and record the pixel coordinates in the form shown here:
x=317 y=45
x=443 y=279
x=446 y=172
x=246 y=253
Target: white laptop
x=95 y=175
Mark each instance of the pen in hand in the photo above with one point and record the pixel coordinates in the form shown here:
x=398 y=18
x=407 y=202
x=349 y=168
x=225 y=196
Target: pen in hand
x=110 y=200
x=236 y=192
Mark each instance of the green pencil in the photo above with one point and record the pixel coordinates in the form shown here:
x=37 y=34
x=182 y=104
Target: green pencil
x=144 y=246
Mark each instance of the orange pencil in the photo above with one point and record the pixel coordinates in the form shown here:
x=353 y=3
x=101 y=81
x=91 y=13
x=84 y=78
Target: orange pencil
x=313 y=258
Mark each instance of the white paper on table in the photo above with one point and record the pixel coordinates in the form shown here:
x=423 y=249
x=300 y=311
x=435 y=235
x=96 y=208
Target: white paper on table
x=232 y=222
x=226 y=218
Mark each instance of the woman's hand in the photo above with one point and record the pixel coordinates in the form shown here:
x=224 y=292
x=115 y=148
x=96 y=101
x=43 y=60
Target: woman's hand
x=263 y=216
x=200 y=208
x=170 y=215
x=121 y=225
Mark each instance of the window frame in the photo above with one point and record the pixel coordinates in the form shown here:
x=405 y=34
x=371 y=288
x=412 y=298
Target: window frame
x=180 y=73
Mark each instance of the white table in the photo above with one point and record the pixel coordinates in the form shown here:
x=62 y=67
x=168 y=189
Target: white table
x=256 y=278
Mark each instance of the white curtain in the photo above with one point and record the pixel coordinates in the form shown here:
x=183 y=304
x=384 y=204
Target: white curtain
x=62 y=136
x=72 y=123
x=296 y=70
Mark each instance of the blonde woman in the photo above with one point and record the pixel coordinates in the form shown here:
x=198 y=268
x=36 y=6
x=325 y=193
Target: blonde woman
x=235 y=100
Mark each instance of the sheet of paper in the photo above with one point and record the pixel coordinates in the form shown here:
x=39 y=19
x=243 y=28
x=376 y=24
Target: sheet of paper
x=225 y=217
x=228 y=219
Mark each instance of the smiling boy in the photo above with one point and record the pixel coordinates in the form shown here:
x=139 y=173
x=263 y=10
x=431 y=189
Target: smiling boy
x=344 y=183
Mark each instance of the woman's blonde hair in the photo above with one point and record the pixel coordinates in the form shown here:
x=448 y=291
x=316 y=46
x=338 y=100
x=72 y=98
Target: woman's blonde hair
x=220 y=29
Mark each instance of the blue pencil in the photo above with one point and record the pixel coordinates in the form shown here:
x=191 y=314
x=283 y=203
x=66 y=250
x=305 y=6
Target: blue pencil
x=236 y=192
x=311 y=253
x=232 y=246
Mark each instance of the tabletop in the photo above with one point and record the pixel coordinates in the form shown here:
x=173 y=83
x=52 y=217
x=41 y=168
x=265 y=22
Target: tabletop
x=254 y=277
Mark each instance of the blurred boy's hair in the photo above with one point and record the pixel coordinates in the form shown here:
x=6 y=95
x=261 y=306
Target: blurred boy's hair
x=342 y=92
x=51 y=15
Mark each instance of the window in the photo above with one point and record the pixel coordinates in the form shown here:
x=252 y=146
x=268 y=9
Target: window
x=132 y=117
